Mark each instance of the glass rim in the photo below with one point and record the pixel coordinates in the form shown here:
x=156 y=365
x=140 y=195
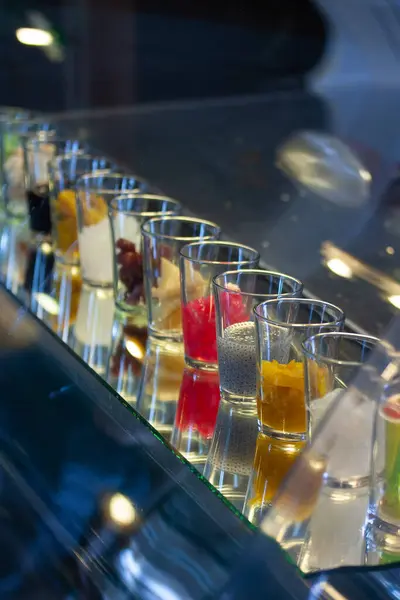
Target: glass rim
x=144 y=213
x=306 y=301
x=221 y=243
x=49 y=138
x=83 y=179
x=181 y=219
x=78 y=154
x=338 y=334
x=256 y=272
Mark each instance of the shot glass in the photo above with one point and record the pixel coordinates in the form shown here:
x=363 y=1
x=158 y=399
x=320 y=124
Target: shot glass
x=384 y=509
x=241 y=291
x=127 y=215
x=332 y=361
x=38 y=152
x=94 y=192
x=200 y=262
x=64 y=172
x=282 y=325
x=13 y=123
x=163 y=239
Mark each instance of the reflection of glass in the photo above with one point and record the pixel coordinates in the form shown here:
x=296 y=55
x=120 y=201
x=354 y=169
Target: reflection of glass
x=233 y=291
x=93 y=194
x=230 y=459
x=281 y=326
x=39 y=273
x=163 y=239
x=14 y=243
x=38 y=152
x=196 y=414
x=58 y=308
x=64 y=171
x=160 y=384
x=127 y=215
x=272 y=461
x=199 y=263
x=126 y=358
x=92 y=334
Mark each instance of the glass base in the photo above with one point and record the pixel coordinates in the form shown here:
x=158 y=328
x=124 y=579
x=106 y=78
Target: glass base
x=384 y=534
x=168 y=335
x=66 y=259
x=230 y=485
x=106 y=285
x=200 y=365
x=281 y=435
x=245 y=401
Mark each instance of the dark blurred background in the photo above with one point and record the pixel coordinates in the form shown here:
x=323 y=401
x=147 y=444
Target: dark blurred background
x=118 y=52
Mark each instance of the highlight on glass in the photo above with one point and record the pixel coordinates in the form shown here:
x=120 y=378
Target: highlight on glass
x=281 y=326
x=94 y=191
x=64 y=172
x=200 y=262
x=236 y=293
x=127 y=215
x=163 y=238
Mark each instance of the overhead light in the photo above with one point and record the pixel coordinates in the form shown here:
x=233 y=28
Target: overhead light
x=135 y=349
x=339 y=267
x=34 y=37
x=395 y=300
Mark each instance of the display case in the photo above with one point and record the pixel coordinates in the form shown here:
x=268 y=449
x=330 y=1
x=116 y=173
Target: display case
x=125 y=475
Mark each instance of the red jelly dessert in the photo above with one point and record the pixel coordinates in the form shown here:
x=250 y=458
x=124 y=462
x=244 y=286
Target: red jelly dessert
x=198 y=402
x=198 y=321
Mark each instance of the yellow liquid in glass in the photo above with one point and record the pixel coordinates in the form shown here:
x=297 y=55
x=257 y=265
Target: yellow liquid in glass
x=281 y=399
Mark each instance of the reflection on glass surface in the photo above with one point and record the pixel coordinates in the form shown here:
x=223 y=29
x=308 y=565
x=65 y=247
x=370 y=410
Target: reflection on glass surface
x=272 y=461
x=230 y=459
x=326 y=166
x=92 y=334
x=160 y=384
x=14 y=239
x=126 y=358
x=196 y=414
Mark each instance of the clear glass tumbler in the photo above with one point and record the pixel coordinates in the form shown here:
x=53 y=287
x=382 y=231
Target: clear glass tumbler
x=200 y=262
x=38 y=152
x=163 y=239
x=64 y=171
x=94 y=192
x=282 y=325
x=332 y=361
x=384 y=507
x=13 y=124
x=241 y=291
x=127 y=215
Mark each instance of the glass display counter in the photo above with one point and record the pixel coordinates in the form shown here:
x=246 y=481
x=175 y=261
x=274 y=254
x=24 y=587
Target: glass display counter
x=125 y=474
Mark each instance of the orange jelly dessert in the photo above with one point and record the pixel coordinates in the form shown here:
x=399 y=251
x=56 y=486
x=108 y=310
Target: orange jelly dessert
x=281 y=397
x=65 y=222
